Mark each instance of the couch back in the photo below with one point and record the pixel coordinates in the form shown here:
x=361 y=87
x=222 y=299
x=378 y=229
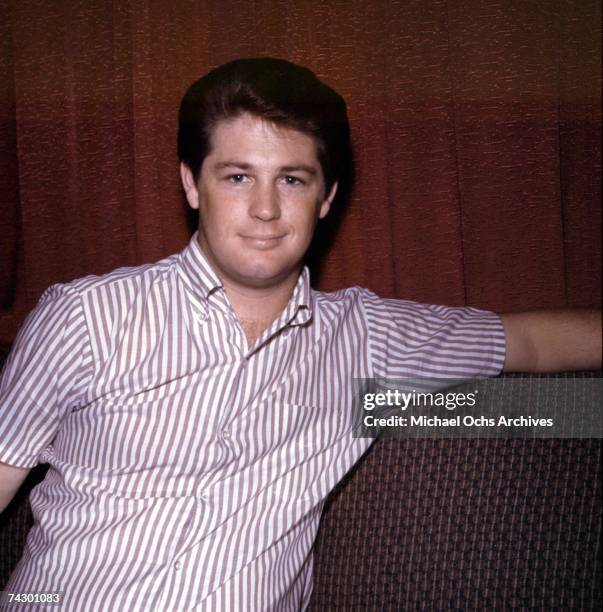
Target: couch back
x=465 y=525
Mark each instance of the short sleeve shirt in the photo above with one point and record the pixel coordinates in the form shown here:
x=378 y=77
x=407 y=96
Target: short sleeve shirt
x=188 y=470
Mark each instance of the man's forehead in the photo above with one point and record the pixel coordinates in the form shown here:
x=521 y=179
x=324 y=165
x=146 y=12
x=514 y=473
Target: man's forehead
x=241 y=139
x=247 y=123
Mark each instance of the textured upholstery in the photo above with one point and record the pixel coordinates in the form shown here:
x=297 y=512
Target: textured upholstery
x=15 y=522
x=446 y=524
x=465 y=525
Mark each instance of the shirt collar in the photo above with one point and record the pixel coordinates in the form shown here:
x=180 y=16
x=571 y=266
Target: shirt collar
x=197 y=272
x=203 y=282
x=299 y=309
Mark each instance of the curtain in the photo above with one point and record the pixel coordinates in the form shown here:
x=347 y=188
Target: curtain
x=476 y=130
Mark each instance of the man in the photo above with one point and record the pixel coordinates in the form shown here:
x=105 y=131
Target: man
x=195 y=413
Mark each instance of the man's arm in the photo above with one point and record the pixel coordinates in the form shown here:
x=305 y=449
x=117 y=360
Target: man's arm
x=552 y=340
x=11 y=478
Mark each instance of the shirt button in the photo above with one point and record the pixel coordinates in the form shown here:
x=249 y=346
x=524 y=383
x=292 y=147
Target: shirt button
x=177 y=566
x=226 y=433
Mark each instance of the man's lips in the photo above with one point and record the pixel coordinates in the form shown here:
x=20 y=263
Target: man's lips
x=263 y=241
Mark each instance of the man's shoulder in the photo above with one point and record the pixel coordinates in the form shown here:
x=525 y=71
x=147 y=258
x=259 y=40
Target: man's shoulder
x=361 y=296
x=379 y=308
x=369 y=310
x=108 y=293
x=344 y=302
x=341 y=297
x=133 y=276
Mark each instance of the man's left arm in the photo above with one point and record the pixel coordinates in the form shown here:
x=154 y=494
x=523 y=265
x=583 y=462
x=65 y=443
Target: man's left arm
x=552 y=340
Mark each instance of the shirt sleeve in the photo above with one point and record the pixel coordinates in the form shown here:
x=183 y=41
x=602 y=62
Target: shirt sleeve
x=45 y=376
x=412 y=340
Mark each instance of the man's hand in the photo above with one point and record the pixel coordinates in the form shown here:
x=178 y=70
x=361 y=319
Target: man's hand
x=11 y=478
x=552 y=340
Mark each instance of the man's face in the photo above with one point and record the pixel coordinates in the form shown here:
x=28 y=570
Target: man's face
x=260 y=193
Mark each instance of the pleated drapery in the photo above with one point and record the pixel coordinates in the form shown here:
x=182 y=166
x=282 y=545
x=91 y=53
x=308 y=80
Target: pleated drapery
x=476 y=128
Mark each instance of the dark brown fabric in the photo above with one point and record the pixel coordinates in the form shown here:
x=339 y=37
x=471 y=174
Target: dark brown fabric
x=15 y=523
x=476 y=130
x=465 y=525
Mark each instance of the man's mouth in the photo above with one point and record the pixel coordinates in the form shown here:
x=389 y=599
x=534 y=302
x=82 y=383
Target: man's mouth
x=263 y=241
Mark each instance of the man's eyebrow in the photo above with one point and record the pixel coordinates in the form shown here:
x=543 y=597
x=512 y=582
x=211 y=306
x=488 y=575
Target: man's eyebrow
x=232 y=164
x=300 y=168
x=245 y=166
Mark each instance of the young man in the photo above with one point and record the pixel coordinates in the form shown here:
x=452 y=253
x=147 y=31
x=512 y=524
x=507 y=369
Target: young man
x=195 y=413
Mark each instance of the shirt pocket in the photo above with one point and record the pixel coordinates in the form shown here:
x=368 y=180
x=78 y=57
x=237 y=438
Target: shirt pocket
x=290 y=452
x=274 y=426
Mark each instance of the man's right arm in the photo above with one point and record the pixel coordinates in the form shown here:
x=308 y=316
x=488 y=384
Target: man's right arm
x=11 y=478
x=43 y=377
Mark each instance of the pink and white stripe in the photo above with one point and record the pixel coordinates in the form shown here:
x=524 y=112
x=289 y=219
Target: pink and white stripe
x=188 y=470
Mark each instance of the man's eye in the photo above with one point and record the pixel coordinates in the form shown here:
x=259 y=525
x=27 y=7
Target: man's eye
x=236 y=178
x=293 y=180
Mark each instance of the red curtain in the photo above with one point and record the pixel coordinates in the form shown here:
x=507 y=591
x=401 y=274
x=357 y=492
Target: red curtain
x=476 y=127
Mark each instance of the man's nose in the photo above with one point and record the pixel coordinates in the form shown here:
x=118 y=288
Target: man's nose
x=265 y=204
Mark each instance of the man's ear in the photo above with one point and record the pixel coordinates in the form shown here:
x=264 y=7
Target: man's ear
x=326 y=203
x=189 y=185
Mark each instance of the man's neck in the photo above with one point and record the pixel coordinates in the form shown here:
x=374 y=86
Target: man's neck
x=256 y=309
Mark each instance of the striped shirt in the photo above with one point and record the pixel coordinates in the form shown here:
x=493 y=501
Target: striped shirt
x=189 y=470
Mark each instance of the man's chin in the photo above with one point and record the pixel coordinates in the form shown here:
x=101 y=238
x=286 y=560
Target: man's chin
x=266 y=277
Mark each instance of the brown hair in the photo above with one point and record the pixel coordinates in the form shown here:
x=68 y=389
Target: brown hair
x=273 y=89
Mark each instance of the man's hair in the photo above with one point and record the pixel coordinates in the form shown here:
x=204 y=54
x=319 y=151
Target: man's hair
x=273 y=89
